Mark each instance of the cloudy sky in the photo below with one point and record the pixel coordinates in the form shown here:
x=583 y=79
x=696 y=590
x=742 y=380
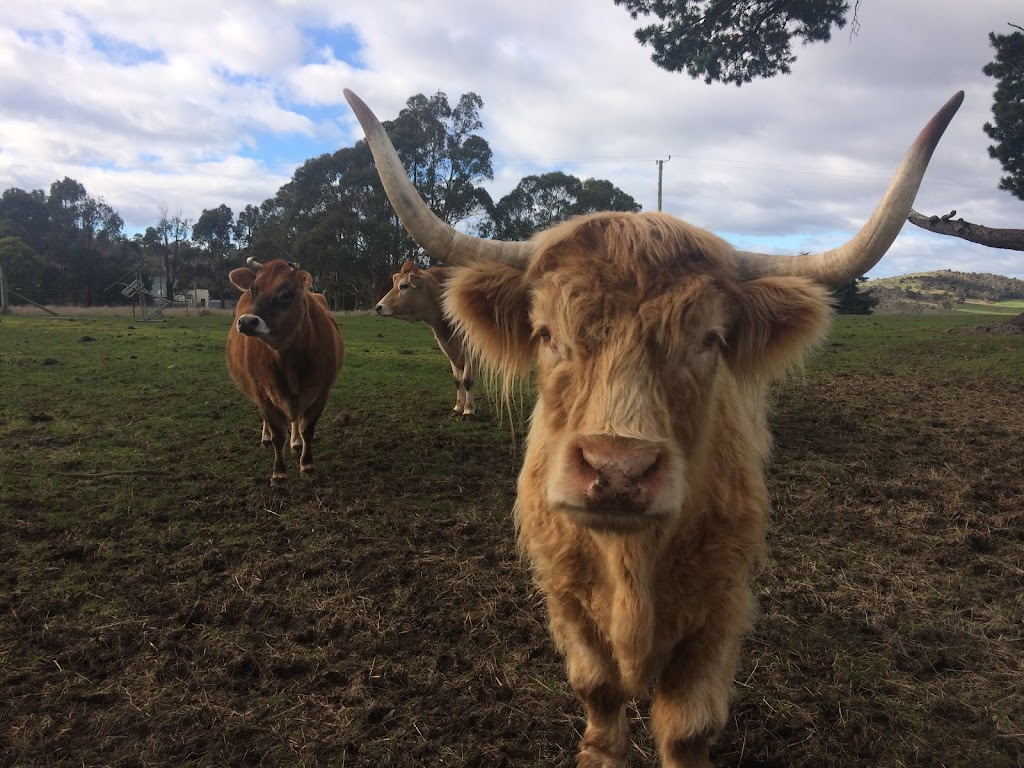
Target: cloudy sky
x=186 y=105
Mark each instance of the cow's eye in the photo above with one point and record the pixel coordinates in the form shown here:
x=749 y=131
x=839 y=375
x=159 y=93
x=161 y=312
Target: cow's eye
x=403 y=286
x=253 y=290
x=284 y=297
x=545 y=334
x=713 y=339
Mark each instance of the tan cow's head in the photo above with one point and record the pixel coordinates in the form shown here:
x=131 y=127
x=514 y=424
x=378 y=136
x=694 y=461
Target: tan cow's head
x=639 y=333
x=652 y=340
x=273 y=301
x=411 y=297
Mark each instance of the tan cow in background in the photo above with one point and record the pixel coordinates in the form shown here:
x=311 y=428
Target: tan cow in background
x=642 y=501
x=284 y=352
x=415 y=296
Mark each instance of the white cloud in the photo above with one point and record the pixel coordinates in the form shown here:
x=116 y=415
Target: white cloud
x=189 y=105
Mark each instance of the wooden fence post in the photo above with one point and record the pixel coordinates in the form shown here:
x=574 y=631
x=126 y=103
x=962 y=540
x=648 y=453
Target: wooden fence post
x=5 y=301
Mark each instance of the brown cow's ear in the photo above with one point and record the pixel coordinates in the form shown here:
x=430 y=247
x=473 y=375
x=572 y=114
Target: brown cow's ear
x=490 y=304
x=778 y=320
x=242 y=278
x=305 y=279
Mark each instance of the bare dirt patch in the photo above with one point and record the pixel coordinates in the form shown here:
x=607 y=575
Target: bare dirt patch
x=380 y=615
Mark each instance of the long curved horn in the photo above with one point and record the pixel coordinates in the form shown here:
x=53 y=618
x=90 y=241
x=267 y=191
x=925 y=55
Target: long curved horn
x=437 y=238
x=852 y=259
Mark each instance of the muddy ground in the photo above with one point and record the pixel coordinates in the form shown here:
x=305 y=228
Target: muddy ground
x=348 y=623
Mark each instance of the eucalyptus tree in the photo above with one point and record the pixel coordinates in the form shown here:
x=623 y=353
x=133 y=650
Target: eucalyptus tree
x=541 y=200
x=172 y=235
x=334 y=218
x=84 y=242
x=730 y=42
x=213 y=232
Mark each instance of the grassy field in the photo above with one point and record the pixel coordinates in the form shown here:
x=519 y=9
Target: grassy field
x=162 y=604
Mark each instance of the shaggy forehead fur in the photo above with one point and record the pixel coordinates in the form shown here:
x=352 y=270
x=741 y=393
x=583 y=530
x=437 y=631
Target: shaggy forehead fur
x=591 y=273
x=644 y=281
x=640 y=253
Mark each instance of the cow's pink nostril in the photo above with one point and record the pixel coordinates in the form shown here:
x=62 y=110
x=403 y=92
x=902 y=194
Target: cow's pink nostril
x=618 y=470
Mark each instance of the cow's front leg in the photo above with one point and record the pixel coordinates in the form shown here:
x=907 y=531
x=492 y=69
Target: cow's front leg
x=296 y=439
x=467 y=392
x=460 y=398
x=594 y=677
x=605 y=741
x=306 y=427
x=277 y=424
x=266 y=440
x=691 y=697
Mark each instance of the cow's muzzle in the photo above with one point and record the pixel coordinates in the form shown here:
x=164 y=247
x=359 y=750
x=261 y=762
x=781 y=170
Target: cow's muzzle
x=617 y=476
x=384 y=310
x=252 y=325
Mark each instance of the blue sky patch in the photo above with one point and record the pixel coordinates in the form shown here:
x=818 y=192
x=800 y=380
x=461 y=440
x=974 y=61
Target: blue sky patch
x=41 y=38
x=343 y=42
x=283 y=152
x=124 y=53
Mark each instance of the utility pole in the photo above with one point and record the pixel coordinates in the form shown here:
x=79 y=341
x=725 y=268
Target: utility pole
x=661 y=165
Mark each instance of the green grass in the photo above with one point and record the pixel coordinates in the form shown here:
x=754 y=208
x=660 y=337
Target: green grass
x=162 y=604
x=918 y=345
x=1008 y=308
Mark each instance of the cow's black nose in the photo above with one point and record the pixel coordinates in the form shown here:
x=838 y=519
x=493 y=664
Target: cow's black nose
x=248 y=324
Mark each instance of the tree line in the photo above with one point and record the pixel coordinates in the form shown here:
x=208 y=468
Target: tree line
x=332 y=217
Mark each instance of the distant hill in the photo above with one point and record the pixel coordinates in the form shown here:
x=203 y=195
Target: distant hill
x=943 y=288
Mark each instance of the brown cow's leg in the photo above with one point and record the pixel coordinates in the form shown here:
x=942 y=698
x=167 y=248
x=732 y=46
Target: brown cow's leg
x=265 y=439
x=467 y=393
x=456 y=410
x=306 y=426
x=296 y=441
x=691 y=698
x=594 y=677
x=278 y=428
x=606 y=740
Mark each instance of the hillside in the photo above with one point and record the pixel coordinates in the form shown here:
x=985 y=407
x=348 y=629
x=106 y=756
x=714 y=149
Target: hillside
x=943 y=289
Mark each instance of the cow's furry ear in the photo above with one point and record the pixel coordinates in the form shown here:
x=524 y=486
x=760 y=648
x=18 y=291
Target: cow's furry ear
x=489 y=304
x=779 y=319
x=242 y=278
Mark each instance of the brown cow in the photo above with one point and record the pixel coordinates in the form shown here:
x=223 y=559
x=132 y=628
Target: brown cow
x=284 y=352
x=416 y=296
x=641 y=501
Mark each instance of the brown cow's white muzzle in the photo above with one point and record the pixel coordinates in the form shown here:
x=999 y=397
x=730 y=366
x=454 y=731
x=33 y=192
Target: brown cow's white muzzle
x=618 y=476
x=384 y=310
x=252 y=325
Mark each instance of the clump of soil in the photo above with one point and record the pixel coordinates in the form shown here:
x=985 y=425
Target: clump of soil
x=1014 y=325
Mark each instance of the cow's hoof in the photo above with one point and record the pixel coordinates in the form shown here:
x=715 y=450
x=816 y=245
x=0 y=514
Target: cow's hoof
x=591 y=757
x=265 y=444
x=277 y=480
x=307 y=472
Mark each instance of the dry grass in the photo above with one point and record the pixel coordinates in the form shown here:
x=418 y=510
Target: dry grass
x=162 y=605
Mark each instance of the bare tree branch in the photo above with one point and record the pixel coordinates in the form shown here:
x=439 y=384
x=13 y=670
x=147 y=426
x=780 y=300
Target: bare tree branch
x=1010 y=239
